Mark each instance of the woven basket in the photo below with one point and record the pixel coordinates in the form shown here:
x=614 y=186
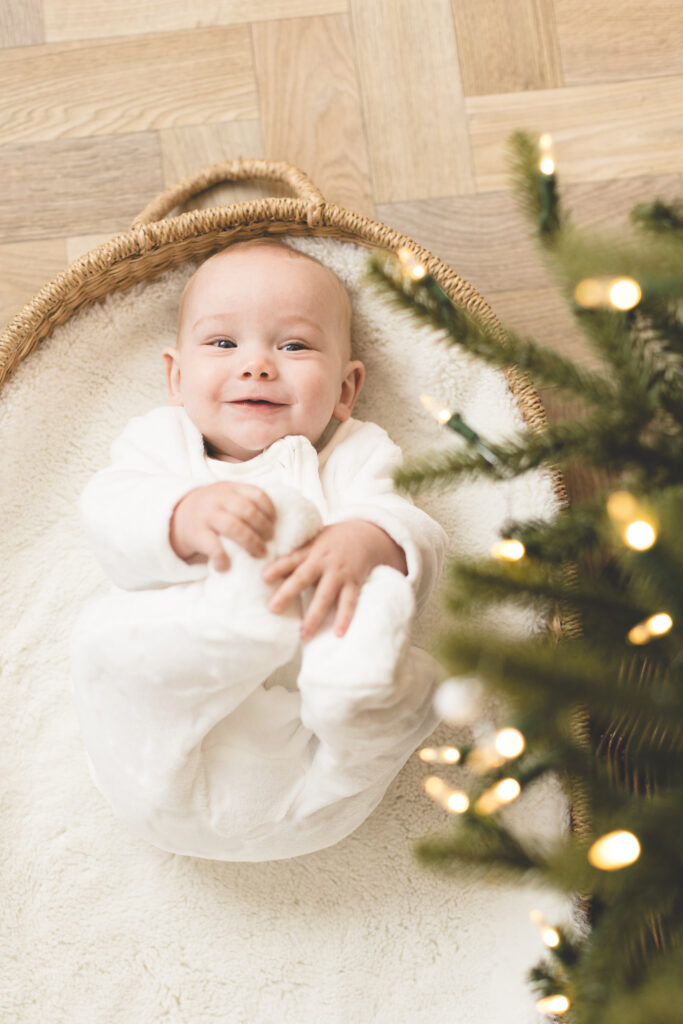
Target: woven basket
x=157 y=243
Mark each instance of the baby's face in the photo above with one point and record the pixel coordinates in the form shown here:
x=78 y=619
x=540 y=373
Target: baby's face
x=263 y=350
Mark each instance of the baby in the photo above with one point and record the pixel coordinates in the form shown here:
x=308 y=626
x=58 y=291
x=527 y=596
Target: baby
x=247 y=691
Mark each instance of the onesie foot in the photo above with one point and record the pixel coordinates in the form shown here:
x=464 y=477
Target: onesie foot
x=365 y=659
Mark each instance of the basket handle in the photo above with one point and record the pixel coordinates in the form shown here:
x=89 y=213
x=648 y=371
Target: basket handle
x=234 y=170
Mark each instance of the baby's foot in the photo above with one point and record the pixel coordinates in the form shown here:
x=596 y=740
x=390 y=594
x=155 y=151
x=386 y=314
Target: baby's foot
x=365 y=659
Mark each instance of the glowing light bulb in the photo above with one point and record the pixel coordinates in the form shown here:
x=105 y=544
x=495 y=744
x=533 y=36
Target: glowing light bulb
x=614 y=850
x=625 y=293
x=551 y=937
x=509 y=742
x=640 y=535
x=659 y=624
x=436 y=408
x=622 y=506
x=453 y=800
x=504 y=792
x=621 y=292
x=545 y=146
x=435 y=787
x=553 y=1004
x=410 y=265
x=509 y=550
x=590 y=293
x=507 y=790
x=656 y=625
x=457 y=802
x=440 y=755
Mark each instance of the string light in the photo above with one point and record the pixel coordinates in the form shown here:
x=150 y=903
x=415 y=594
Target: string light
x=621 y=292
x=440 y=755
x=410 y=265
x=614 y=850
x=504 y=792
x=457 y=802
x=439 y=412
x=656 y=625
x=453 y=800
x=636 y=527
x=625 y=293
x=640 y=535
x=454 y=420
x=508 y=550
x=622 y=506
x=553 y=1004
x=509 y=743
x=547 y=161
x=550 y=936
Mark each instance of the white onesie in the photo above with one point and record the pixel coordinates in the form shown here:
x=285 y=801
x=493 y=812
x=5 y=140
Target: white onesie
x=210 y=729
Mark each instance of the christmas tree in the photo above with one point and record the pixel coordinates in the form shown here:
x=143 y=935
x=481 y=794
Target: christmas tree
x=600 y=706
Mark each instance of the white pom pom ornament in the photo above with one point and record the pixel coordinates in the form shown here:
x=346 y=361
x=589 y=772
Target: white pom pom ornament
x=458 y=701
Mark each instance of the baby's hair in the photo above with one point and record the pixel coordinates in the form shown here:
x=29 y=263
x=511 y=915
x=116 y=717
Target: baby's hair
x=272 y=243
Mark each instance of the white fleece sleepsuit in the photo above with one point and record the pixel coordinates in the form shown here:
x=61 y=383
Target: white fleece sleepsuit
x=210 y=729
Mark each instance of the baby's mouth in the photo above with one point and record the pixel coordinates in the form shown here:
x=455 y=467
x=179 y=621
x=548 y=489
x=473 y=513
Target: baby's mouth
x=256 y=402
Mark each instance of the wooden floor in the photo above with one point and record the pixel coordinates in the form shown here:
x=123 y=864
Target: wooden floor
x=399 y=109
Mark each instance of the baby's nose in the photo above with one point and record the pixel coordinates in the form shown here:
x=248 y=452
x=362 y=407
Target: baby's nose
x=258 y=367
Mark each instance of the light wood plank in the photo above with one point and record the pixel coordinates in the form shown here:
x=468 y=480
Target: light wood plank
x=310 y=105
x=100 y=186
x=543 y=315
x=619 y=39
x=81 y=19
x=625 y=129
x=185 y=150
x=488 y=241
x=507 y=47
x=80 y=90
x=483 y=238
x=24 y=268
x=412 y=99
x=21 y=23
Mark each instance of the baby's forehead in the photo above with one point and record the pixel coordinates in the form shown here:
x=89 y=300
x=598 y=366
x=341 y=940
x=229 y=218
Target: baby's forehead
x=264 y=251
x=261 y=251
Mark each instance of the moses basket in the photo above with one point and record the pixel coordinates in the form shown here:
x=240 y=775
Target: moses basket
x=62 y=837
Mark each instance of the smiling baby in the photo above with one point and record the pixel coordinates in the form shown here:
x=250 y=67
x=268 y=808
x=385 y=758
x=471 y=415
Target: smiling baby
x=247 y=690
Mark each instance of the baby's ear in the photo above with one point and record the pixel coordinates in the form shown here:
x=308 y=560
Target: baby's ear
x=350 y=389
x=172 y=366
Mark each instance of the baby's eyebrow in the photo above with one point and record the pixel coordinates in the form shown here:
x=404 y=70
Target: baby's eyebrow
x=217 y=317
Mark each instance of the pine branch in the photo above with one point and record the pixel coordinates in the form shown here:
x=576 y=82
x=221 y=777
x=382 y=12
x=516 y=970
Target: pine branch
x=659 y=217
x=537 y=193
x=486 y=581
x=606 y=438
x=580 y=673
x=501 y=347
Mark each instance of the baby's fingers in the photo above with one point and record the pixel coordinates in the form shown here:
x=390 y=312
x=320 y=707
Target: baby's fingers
x=325 y=596
x=216 y=553
x=346 y=606
x=286 y=564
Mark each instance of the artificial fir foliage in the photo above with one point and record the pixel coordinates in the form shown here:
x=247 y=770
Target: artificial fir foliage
x=602 y=706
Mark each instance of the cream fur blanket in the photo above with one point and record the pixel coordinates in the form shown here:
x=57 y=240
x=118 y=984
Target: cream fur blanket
x=100 y=928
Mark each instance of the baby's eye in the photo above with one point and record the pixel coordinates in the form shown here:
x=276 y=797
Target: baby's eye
x=294 y=346
x=223 y=343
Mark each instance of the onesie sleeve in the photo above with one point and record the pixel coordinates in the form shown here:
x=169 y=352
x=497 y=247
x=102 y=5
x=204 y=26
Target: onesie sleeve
x=358 y=479
x=126 y=508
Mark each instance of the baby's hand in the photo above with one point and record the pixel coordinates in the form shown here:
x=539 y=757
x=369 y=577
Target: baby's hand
x=337 y=563
x=242 y=512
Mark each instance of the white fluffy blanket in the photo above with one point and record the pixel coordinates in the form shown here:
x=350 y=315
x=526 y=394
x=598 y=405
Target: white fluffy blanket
x=101 y=928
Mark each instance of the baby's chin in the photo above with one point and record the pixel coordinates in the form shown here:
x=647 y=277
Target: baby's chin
x=231 y=451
